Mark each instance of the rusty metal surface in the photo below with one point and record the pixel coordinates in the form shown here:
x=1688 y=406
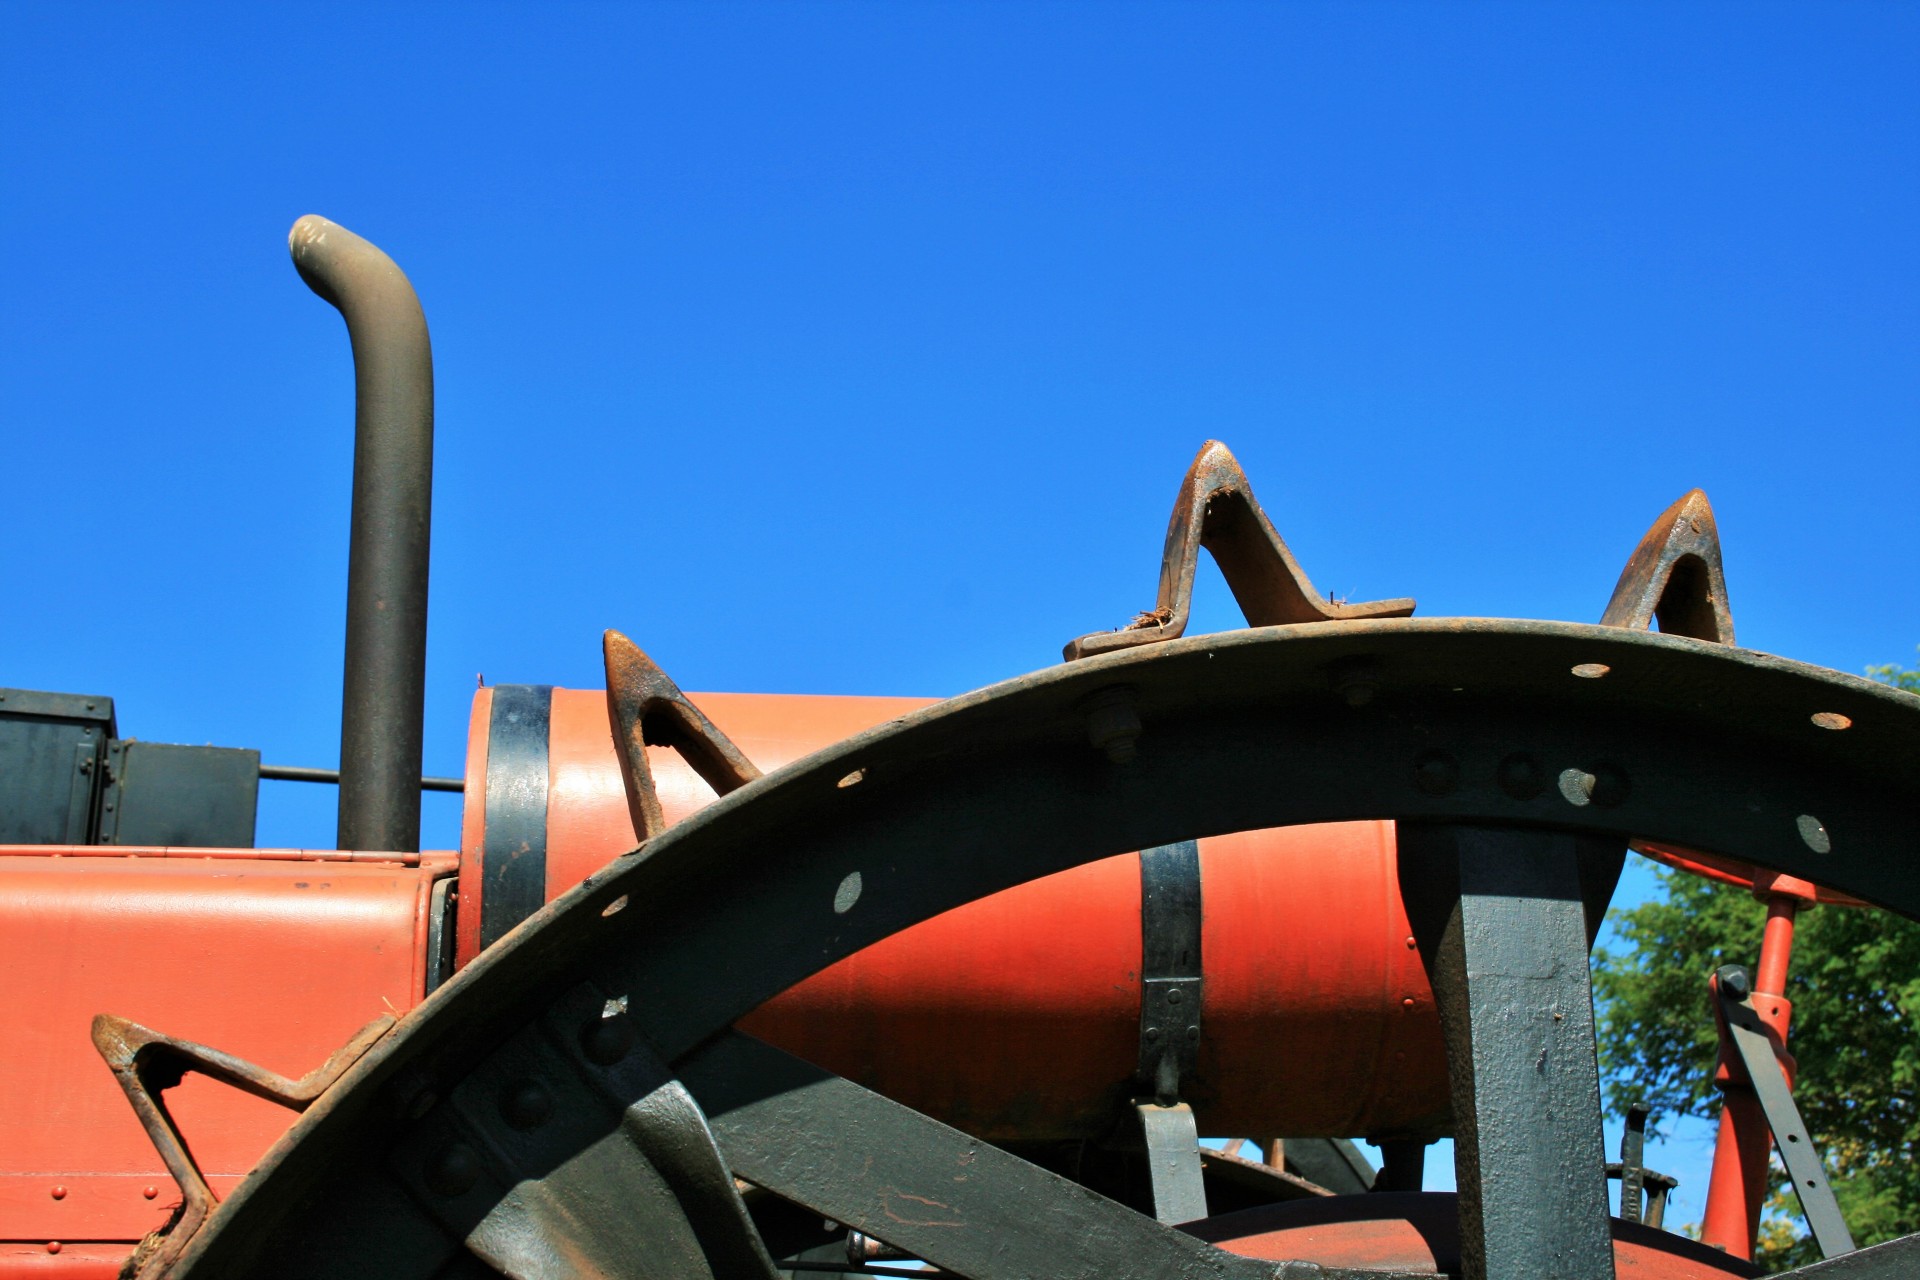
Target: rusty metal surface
x=1216 y=510
x=1675 y=577
x=645 y=707
x=146 y=1064
x=386 y=657
x=795 y=870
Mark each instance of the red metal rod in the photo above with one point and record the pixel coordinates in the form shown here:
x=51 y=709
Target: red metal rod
x=1737 y=1188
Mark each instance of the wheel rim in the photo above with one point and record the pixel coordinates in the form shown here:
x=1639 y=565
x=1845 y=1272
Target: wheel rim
x=1462 y=721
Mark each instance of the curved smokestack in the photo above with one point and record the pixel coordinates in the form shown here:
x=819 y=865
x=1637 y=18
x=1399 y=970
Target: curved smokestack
x=380 y=720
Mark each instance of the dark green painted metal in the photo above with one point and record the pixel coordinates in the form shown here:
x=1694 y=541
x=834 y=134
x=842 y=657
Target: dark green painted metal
x=1509 y=974
x=52 y=763
x=1893 y=1260
x=933 y=1191
x=1681 y=741
x=160 y=793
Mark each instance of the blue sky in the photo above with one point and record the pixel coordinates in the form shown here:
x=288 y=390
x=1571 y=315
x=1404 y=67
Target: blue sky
x=860 y=348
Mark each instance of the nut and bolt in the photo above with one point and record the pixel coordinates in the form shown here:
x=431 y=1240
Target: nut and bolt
x=454 y=1171
x=526 y=1105
x=1113 y=726
x=606 y=1040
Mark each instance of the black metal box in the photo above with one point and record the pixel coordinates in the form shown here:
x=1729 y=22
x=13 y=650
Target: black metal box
x=52 y=749
x=161 y=794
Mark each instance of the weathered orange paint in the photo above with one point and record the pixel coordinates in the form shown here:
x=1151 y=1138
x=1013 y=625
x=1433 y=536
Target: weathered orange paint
x=1018 y=1016
x=276 y=956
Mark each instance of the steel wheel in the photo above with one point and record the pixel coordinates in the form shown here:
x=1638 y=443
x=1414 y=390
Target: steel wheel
x=544 y=1110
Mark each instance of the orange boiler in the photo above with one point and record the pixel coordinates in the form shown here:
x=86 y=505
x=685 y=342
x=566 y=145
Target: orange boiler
x=1016 y=1017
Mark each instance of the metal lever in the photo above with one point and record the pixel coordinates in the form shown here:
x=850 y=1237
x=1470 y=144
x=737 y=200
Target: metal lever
x=1734 y=991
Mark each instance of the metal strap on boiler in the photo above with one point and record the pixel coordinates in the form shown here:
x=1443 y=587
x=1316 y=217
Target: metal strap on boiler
x=1171 y=981
x=1171 y=990
x=513 y=882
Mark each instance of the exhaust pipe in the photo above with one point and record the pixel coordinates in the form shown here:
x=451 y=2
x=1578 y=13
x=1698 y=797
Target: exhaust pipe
x=384 y=701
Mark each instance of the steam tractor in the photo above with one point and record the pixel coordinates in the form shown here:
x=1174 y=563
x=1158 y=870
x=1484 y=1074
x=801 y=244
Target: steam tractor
x=752 y=986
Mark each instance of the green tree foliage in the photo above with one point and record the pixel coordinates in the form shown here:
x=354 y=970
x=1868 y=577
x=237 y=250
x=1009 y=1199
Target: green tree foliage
x=1855 y=987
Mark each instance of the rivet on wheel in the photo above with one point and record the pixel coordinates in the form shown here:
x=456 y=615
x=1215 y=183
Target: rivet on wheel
x=1113 y=726
x=1609 y=786
x=526 y=1105
x=607 y=1040
x=1436 y=773
x=1520 y=777
x=1576 y=787
x=454 y=1171
x=1813 y=833
x=1356 y=680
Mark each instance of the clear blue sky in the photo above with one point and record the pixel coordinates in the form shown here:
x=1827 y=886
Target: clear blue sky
x=860 y=348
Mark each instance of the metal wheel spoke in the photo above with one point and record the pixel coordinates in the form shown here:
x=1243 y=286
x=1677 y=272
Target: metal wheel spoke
x=941 y=1195
x=571 y=1151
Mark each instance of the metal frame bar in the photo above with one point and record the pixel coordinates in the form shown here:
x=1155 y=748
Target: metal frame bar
x=1791 y=1139
x=1509 y=972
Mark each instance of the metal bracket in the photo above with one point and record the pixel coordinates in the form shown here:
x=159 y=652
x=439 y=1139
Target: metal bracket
x=1637 y=1182
x=1216 y=510
x=1734 y=991
x=1173 y=1162
x=1674 y=575
x=646 y=706
x=147 y=1063
x=1172 y=987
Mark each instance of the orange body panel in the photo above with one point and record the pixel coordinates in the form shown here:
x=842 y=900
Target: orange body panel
x=276 y=956
x=1018 y=1016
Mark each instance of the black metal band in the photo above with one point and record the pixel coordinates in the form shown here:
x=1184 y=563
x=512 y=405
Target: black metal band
x=1171 y=982
x=513 y=878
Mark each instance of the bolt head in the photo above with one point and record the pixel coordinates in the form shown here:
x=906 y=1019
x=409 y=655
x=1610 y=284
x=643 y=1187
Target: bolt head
x=454 y=1171
x=1436 y=773
x=607 y=1040
x=526 y=1105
